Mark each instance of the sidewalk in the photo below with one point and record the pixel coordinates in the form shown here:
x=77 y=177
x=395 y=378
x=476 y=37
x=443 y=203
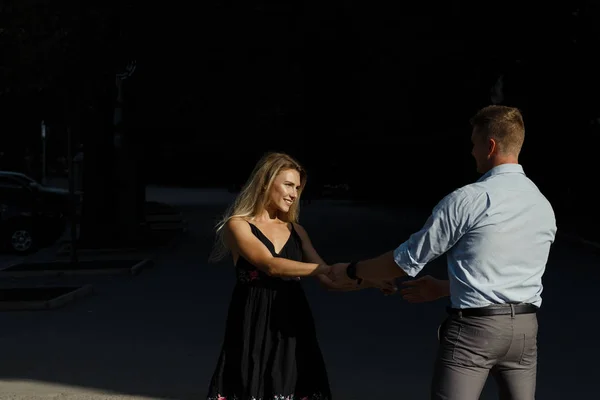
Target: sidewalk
x=158 y=335
x=143 y=337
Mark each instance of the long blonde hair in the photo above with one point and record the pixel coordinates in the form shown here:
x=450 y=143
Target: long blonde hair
x=253 y=197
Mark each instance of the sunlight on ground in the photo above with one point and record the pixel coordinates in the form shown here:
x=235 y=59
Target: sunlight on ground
x=34 y=390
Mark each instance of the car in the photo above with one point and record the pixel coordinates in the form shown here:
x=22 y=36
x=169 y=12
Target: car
x=31 y=214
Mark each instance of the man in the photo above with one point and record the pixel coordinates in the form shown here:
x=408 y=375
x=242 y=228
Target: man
x=497 y=234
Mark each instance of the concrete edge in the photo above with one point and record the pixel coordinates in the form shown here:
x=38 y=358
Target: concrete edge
x=65 y=250
x=590 y=243
x=134 y=270
x=23 y=305
x=69 y=297
x=47 y=304
x=145 y=263
x=58 y=273
x=575 y=238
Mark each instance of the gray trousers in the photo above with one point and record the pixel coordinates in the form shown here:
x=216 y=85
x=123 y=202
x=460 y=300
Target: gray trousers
x=473 y=347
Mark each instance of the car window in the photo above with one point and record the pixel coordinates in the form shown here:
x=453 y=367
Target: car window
x=13 y=191
x=7 y=182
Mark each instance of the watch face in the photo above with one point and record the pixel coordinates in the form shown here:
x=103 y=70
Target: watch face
x=351 y=270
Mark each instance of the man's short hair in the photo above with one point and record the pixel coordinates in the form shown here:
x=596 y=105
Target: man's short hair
x=503 y=124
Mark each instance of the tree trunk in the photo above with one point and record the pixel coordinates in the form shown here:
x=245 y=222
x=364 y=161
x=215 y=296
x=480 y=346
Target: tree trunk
x=126 y=177
x=113 y=187
x=99 y=220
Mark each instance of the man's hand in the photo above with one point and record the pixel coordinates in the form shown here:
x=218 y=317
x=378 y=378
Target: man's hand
x=338 y=274
x=425 y=289
x=387 y=287
x=339 y=277
x=328 y=284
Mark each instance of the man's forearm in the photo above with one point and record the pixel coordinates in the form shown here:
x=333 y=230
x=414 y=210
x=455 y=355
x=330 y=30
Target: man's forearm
x=444 y=287
x=380 y=268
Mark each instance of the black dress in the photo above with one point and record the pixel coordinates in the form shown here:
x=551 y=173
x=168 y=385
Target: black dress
x=270 y=351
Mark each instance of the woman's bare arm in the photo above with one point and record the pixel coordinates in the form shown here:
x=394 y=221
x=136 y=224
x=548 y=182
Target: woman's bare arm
x=311 y=255
x=240 y=239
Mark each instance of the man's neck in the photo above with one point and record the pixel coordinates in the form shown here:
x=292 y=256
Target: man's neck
x=504 y=160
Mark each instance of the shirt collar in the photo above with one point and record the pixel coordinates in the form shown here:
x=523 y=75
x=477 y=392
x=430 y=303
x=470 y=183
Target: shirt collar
x=502 y=169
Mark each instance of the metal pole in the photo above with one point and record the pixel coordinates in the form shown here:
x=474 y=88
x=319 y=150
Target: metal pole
x=43 y=153
x=72 y=207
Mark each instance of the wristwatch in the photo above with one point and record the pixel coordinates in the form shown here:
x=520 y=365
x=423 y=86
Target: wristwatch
x=351 y=272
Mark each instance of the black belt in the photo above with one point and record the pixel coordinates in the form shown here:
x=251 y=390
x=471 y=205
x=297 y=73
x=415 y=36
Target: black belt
x=497 y=309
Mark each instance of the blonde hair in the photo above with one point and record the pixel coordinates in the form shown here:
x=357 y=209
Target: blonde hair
x=502 y=123
x=253 y=197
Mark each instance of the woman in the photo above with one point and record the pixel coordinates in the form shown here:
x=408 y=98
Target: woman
x=270 y=350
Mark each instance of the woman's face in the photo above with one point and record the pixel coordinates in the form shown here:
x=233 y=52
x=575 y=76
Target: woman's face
x=284 y=190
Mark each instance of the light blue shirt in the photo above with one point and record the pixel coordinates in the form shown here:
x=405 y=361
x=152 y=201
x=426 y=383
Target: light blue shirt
x=497 y=234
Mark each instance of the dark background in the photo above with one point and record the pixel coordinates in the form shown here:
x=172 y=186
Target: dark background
x=371 y=95
x=377 y=96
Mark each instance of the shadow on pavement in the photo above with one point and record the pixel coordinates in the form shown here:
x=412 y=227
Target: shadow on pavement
x=158 y=335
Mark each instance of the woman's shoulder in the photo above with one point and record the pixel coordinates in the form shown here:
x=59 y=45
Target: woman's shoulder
x=300 y=230
x=236 y=223
x=298 y=226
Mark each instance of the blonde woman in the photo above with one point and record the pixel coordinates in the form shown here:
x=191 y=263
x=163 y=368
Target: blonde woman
x=270 y=350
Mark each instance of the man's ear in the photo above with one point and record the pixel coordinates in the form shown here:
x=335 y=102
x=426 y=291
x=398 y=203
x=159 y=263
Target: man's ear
x=492 y=147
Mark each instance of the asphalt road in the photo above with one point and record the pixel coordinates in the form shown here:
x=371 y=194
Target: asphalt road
x=158 y=335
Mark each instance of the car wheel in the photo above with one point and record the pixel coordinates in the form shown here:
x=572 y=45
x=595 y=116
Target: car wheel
x=21 y=240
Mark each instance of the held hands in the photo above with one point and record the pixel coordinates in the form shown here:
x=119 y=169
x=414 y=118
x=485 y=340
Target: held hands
x=419 y=290
x=337 y=274
x=330 y=281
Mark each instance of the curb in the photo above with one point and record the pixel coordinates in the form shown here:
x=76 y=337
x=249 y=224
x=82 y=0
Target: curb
x=133 y=270
x=590 y=243
x=575 y=238
x=137 y=268
x=47 y=304
x=65 y=250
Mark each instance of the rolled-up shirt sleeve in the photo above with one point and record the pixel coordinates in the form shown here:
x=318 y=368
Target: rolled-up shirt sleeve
x=448 y=222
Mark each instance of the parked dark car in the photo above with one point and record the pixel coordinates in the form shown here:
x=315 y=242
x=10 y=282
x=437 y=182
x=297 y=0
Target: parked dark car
x=31 y=215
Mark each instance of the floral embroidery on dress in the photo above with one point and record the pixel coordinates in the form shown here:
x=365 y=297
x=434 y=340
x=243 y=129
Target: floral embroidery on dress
x=253 y=275
x=246 y=276
x=316 y=396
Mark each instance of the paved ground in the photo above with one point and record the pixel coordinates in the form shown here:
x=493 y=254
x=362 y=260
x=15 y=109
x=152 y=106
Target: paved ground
x=158 y=335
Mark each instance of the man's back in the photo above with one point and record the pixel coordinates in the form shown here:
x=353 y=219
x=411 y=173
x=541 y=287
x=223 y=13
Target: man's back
x=509 y=227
